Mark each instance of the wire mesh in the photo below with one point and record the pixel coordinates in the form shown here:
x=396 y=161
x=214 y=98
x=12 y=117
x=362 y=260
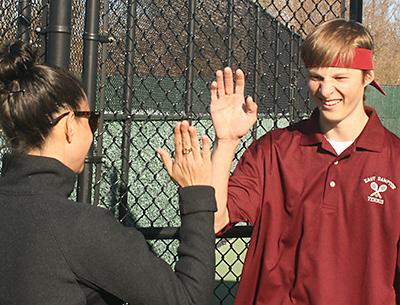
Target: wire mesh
x=156 y=61
x=178 y=46
x=24 y=20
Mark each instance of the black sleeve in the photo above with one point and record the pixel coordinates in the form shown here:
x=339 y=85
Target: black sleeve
x=101 y=251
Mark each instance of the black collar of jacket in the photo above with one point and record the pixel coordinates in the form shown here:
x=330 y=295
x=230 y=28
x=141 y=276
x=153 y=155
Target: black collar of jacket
x=36 y=175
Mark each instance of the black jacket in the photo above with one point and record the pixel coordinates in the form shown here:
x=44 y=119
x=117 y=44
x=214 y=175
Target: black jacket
x=56 y=251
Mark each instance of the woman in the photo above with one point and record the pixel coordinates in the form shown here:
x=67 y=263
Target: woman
x=54 y=251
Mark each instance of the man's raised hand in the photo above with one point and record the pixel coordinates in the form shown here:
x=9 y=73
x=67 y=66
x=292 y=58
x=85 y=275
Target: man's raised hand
x=231 y=113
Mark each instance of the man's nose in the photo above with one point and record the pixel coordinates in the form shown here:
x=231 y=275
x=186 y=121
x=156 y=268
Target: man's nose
x=326 y=89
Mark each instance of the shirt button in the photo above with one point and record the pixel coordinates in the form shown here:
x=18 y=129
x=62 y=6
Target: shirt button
x=336 y=162
x=332 y=183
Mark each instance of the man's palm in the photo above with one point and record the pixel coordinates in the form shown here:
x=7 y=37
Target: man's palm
x=231 y=114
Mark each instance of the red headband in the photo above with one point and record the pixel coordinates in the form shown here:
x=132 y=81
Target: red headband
x=362 y=60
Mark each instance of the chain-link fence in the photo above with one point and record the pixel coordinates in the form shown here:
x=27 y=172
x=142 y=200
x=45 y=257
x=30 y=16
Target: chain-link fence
x=147 y=64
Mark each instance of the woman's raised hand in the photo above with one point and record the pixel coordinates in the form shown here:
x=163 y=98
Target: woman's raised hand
x=192 y=164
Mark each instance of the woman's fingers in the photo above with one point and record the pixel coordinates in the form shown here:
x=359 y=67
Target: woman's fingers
x=178 y=141
x=206 y=152
x=194 y=142
x=186 y=141
x=166 y=159
x=192 y=164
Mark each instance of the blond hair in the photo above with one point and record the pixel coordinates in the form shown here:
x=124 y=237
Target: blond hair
x=335 y=39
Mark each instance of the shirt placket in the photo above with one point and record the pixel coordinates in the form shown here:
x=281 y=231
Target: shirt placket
x=331 y=193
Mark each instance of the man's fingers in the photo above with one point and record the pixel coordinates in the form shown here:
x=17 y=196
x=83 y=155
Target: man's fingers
x=166 y=159
x=228 y=80
x=220 y=83
x=251 y=105
x=240 y=82
x=213 y=92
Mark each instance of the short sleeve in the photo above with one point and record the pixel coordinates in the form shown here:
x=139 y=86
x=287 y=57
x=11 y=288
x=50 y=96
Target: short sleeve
x=248 y=182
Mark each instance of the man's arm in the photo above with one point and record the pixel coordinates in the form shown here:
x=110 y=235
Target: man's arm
x=222 y=162
x=232 y=117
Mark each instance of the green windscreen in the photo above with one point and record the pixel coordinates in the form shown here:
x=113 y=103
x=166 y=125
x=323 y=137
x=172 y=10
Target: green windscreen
x=387 y=107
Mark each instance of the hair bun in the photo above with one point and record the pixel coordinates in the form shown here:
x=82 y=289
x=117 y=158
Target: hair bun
x=16 y=59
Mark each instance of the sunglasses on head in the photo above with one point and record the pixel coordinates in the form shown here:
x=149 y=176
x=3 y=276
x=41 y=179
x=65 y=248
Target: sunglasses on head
x=92 y=116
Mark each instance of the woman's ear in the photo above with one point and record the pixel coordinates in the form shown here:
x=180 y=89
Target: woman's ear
x=70 y=127
x=369 y=76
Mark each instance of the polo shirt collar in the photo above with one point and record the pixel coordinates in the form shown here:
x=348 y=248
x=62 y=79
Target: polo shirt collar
x=371 y=138
x=373 y=135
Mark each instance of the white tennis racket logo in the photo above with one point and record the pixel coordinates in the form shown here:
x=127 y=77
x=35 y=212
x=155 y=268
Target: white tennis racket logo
x=378 y=190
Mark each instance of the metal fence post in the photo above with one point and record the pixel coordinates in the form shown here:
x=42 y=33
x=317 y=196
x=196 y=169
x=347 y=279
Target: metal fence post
x=101 y=107
x=91 y=41
x=343 y=9
x=41 y=30
x=229 y=44
x=292 y=78
x=297 y=77
x=276 y=73
x=24 y=20
x=356 y=10
x=190 y=58
x=129 y=72
x=256 y=65
x=59 y=33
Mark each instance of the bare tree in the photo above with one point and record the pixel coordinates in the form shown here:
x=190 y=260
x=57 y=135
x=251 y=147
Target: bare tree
x=383 y=20
x=381 y=17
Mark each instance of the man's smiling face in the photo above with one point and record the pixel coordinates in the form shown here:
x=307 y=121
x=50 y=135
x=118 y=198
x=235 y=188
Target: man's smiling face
x=337 y=92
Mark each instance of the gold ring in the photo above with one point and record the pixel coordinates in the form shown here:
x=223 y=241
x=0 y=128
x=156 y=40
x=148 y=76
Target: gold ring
x=187 y=150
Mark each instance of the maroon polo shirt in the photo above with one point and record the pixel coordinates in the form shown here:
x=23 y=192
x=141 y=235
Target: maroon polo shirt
x=325 y=227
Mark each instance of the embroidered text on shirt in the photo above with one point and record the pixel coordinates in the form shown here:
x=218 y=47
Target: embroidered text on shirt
x=378 y=189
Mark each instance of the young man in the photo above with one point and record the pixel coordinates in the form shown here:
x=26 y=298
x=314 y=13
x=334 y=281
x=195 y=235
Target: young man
x=322 y=195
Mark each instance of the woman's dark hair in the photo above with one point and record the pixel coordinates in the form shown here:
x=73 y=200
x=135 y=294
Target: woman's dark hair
x=30 y=96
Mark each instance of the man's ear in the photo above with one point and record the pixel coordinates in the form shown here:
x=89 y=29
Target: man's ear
x=70 y=127
x=369 y=76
